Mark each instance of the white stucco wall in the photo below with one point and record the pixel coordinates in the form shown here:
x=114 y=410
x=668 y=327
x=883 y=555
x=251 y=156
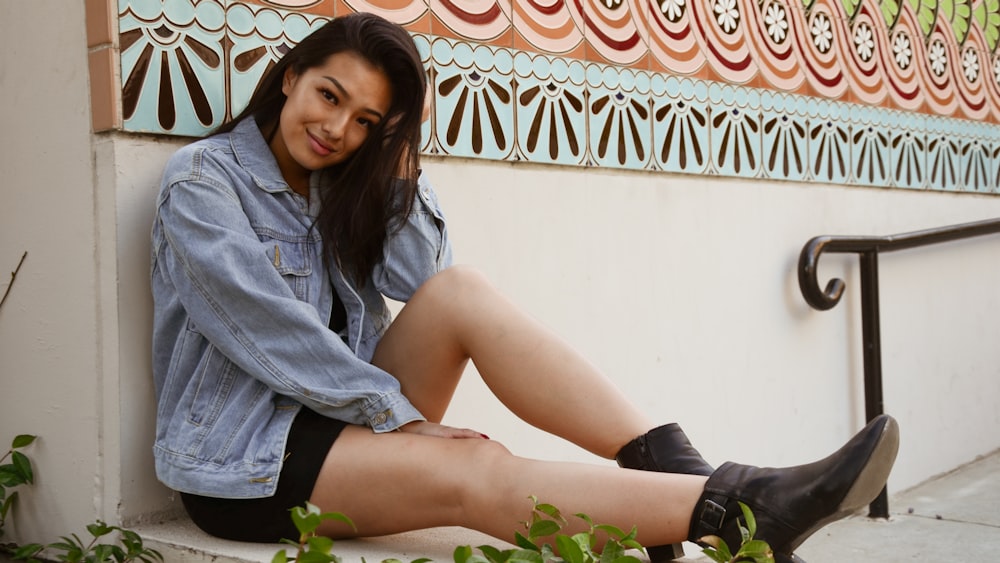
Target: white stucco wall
x=52 y=339
x=682 y=288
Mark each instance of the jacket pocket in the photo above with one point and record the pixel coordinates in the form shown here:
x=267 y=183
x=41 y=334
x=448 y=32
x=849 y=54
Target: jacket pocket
x=292 y=259
x=214 y=382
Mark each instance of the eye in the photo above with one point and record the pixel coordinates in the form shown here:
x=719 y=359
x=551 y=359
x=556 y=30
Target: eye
x=329 y=96
x=366 y=123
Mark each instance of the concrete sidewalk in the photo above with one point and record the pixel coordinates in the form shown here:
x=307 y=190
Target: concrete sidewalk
x=953 y=518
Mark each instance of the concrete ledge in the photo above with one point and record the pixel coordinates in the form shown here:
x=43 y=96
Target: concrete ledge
x=949 y=518
x=181 y=541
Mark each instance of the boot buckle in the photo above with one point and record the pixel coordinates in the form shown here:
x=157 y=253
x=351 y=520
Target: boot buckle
x=712 y=515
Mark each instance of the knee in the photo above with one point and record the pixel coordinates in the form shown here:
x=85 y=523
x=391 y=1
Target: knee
x=461 y=276
x=490 y=463
x=492 y=452
x=456 y=282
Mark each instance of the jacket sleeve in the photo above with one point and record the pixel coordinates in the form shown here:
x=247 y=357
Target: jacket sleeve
x=417 y=250
x=209 y=253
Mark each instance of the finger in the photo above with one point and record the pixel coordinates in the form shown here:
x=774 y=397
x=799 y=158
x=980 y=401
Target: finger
x=467 y=433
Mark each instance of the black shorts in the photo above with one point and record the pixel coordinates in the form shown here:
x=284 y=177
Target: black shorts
x=268 y=519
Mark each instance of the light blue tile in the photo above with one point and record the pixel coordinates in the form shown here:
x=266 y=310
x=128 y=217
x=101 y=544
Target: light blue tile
x=474 y=98
x=551 y=114
x=173 y=72
x=619 y=117
x=908 y=151
x=734 y=132
x=680 y=125
x=259 y=37
x=975 y=164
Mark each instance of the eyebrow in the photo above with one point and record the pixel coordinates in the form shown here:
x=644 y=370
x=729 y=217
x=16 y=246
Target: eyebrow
x=345 y=93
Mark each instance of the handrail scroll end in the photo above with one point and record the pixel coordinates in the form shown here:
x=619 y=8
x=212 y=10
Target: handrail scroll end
x=809 y=284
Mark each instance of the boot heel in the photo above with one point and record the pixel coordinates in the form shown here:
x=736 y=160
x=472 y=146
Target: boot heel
x=665 y=553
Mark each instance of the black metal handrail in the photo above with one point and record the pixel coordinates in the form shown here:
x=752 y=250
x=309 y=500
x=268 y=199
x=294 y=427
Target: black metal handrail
x=868 y=249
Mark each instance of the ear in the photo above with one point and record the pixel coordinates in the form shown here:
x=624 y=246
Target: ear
x=288 y=81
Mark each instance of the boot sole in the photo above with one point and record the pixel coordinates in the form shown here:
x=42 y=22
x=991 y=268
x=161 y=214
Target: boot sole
x=869 y=482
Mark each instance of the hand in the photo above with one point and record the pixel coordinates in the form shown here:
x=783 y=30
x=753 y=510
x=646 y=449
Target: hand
x=440 y=430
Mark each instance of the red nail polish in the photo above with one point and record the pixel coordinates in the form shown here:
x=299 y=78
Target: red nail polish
x=485 y=437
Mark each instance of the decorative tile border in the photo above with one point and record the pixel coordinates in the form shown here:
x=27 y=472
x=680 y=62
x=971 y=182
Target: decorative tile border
x=187 y=65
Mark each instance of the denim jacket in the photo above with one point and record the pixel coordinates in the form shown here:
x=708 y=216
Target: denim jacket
x=242 y=304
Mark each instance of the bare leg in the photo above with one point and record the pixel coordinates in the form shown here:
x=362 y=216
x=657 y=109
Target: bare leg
x=459 y=315
x=478 y=484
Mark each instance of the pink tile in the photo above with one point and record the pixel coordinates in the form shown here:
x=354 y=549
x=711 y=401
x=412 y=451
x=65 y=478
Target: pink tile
x=103 y=90
x=98 y=22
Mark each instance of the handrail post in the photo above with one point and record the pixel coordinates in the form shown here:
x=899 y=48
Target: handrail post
x=872 y=339
x=867 y=249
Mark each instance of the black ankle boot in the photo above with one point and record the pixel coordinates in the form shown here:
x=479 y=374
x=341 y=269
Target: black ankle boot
x=665 y=449
x=790 y=504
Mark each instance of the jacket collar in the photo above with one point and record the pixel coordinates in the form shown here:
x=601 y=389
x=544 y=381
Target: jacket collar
x=255 y=156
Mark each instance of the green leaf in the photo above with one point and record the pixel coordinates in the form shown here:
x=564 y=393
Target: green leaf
x=751 y=521
x=10 y=476
x=550 y=510
x=612 y=531
x=422 y=560
x=22 y=466
x=633 y=544
x=22 y=440
x=494 y=554
x=5 y=505
x=322 y=544
x=525 y=556
x=340 y=517
x=714 y=555
x=314 y=557
x=584 y=540
x=744 y=533
x=391 y=560
x=462 y=553
x=280 y=557
x=720 y=545
x=612 y=551
x=99 y=528
x=543 y=528
x=67 y=544
x=758 y=550
x=569 y=549
x=28 y=550
x=585 y=518
x=103 y=553
x=132 y=542
x=305 y=521
x=524 y=542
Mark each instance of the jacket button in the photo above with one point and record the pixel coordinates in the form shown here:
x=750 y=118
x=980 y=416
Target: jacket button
x=381 y=417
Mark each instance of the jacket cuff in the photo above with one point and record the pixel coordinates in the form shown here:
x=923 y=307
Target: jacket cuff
x=389 y=412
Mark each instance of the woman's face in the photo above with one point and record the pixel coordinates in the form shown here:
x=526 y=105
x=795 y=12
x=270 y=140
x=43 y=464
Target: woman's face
x=329 y=112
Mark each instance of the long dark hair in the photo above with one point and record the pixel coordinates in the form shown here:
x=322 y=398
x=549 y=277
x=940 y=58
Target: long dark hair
x=360 y=201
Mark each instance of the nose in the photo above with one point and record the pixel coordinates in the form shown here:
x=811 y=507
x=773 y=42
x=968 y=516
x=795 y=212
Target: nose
x=335 y=125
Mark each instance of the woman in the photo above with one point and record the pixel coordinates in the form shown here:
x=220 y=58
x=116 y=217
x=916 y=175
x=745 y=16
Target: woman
x=281 y=377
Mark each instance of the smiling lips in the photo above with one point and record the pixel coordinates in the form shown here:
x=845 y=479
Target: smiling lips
x=319 y=147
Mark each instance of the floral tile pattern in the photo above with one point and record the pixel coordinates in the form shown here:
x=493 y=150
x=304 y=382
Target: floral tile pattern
x=872 y=93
